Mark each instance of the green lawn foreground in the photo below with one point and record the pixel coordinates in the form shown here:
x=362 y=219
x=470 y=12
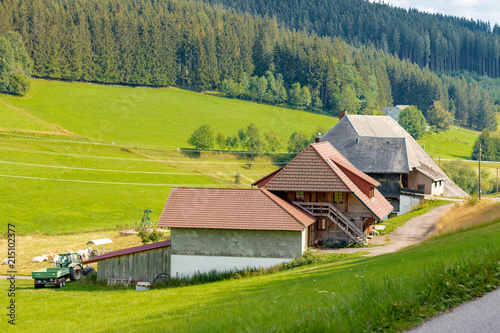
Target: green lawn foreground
x=386 y=293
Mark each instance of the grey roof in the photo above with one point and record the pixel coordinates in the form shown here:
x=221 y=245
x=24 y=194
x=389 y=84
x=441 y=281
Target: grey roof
x=431 y=173
x=394 y=113
x=377 y=155
x=386 y=109
x=370 y=132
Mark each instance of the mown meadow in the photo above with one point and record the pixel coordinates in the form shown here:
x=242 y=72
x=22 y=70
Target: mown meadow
x=387 y=293
x=456 y=143
x=78 y=157
x=162 y=117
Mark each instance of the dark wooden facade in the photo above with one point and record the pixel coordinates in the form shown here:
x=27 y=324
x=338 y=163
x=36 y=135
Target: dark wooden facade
x=325 y=228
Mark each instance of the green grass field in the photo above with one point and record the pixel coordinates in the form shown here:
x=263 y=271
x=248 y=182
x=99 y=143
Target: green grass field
x=79 y=157
x=385 y=293
x=163 y=117
x=456 y=143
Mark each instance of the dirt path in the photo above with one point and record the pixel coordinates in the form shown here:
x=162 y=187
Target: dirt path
x=413 y=232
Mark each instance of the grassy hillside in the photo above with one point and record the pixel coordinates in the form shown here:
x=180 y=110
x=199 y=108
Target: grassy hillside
x=64 y=168
x=163 y=117
x=456 y=143
x=386 y=293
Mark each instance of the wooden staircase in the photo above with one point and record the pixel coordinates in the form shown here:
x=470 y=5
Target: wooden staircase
x=328 y=210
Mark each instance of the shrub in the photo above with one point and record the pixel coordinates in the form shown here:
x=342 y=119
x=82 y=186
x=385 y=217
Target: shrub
x=202 y=138
x=471 y=201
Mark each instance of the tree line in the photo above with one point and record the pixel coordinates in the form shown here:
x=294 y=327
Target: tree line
x=200 y=47
x=489 y=145
x=249 y=139
x=467 y=178
x=443 y=43
x=15 y=65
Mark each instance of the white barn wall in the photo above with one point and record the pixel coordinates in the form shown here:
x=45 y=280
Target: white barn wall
x=187 y=265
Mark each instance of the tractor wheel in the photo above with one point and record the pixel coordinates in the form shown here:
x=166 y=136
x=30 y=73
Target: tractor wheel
x=75 y=273
x=39 y=285
x=58 y=284
x=63 y=282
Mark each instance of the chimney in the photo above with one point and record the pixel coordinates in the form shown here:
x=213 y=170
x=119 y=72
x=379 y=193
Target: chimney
x=342 y=114
x=317 y=137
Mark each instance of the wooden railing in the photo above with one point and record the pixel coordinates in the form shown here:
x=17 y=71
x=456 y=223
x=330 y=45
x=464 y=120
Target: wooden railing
x=328 y=210
x=411 y=191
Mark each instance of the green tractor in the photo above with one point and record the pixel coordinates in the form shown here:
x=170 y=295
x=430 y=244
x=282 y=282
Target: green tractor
x=69 y=266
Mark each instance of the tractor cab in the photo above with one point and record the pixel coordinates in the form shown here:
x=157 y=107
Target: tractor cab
x=66 y=259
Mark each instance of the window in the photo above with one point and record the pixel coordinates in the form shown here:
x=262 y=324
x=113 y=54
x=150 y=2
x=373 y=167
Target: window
x=321 y=224
x=421 y=187
x=299 y=196
x=338 y=197
x=440 y=182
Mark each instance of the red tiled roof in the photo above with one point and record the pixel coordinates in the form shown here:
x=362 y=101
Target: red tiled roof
x=307 y=172
x=321 y=168
x=266 y=179
x=378 y=205
x=326 y=150
x=229 y=208
x=130 y=251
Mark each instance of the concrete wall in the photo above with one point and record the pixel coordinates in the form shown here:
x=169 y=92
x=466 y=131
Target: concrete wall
x=184 y=265
x=145 y=265
x=236 y=243
x=206 y=249
x=407 y=203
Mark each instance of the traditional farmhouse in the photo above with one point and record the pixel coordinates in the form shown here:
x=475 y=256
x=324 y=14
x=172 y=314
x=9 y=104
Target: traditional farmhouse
x=317 y=196
x=381 y=148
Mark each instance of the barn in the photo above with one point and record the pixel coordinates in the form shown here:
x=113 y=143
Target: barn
x=228 y=228
x=138 y=263
x=317 y=197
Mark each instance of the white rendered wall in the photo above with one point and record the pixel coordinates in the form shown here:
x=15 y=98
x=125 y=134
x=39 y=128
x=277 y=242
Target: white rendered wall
x=304 y=239
x=187 y=265
x=438 y=189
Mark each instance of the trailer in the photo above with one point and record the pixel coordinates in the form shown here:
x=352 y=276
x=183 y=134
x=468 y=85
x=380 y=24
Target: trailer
x=69 y=266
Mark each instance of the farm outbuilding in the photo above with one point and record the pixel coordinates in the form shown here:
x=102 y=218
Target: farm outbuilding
x=319 y=196
x=138 y=263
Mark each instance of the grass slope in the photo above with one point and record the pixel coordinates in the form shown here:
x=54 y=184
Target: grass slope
x=67 y=187
x=456 y=143
x=54 y=181
x=385 y=293
x=163 y=117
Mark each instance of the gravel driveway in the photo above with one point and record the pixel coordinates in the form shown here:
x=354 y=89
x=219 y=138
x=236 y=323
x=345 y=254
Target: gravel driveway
x=413 y=232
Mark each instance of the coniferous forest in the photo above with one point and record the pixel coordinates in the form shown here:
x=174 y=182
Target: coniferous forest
x=443 y=43
x=200 y=47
